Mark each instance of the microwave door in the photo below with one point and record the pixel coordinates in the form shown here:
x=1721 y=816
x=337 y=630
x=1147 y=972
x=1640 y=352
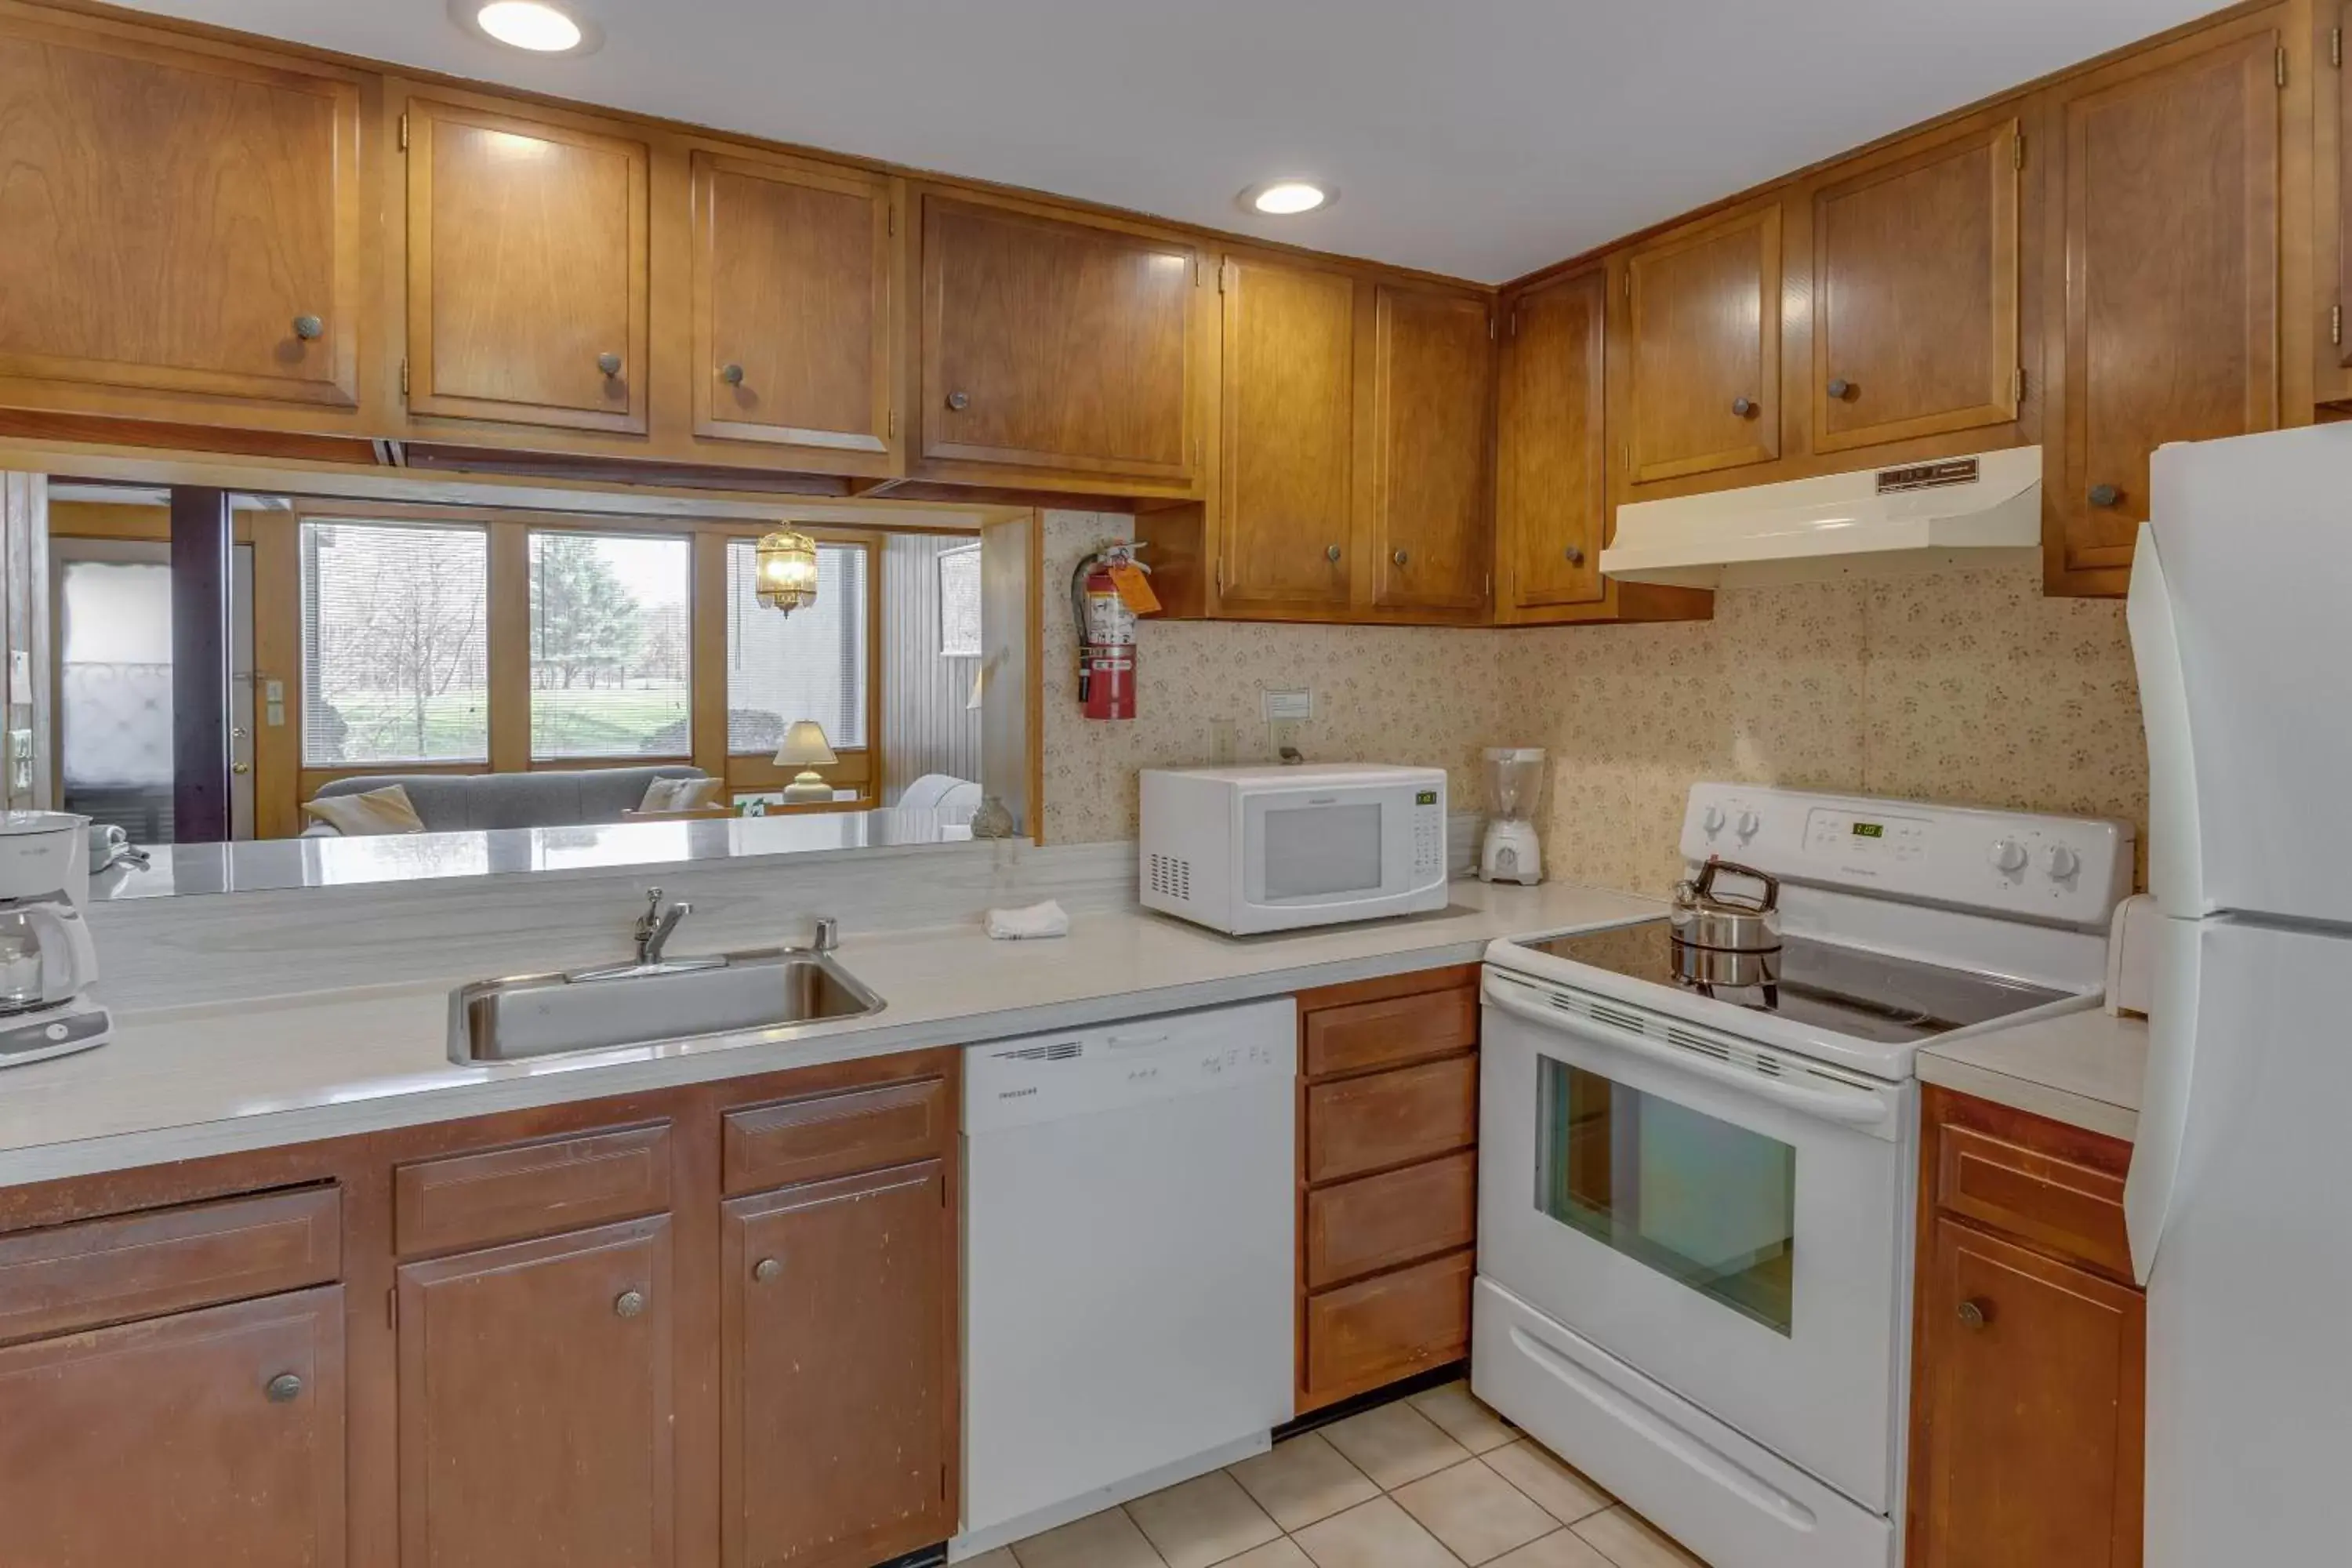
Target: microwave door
x=1328 y=849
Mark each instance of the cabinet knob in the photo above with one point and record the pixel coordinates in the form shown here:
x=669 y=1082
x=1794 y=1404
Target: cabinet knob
x=1841 y=388
x=283 y=1389
x=1743 y=407
x=958 y=401
x=1976 y=1314
x=1573 y=556
x=1399 y=558
x=629 y=1304
x=1332 y=552
x=767 y=1271
x=307 y=327
x=732 y=375
x=609 y=364
x=2105 y=495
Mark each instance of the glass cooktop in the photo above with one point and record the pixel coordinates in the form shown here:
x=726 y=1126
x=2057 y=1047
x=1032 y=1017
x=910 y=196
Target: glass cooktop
x=1868 y=995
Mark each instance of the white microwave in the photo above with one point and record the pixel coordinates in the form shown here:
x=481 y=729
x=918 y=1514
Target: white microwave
x=1245 y=850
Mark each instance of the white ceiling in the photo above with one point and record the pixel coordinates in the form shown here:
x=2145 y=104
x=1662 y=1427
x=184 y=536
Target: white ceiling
x=1481 y=138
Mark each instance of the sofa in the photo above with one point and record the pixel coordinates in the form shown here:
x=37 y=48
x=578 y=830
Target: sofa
x=954 y=799
x=458 y=803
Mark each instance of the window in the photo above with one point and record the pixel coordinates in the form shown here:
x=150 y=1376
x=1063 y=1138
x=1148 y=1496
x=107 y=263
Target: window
x=610 y=641
x=810 y=663
x=395 y=664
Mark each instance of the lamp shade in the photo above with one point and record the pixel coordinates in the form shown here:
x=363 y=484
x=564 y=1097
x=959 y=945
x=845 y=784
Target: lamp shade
x=805 y=747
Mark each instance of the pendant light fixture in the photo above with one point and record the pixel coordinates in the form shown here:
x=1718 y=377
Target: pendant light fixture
x=787 y=569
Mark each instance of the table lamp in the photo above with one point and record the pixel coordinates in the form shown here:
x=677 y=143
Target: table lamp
x=805 y=748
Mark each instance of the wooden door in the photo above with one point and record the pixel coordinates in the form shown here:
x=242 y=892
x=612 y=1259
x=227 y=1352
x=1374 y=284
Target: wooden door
x=535 y=1402
x=212 y=1436
x=527 y=262
x=1703 y=347
x=176 y=219
x=2166 y=281
x=1431 y=537
x=2028 y=1449
x=793 y=303
x=1551 y=500
x=1287 y=489
x=1914 y=293
x=838 y=1313
x=1055 y=345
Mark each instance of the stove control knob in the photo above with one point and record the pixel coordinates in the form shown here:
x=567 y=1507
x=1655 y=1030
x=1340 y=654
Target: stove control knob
x=2061 y=862
x=1711 y=819
x=2007 y=857
x=1750 y=824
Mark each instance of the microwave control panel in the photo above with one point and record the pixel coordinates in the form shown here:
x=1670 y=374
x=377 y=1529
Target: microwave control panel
x=1428 y=834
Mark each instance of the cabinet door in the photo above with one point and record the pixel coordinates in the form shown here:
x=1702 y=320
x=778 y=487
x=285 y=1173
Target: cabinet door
x=1550 y=505
x=535 y=1402
x=1914 y=294
x=2031 y=1377
x=2167 y=282
x=214 y=1437
x=838 y=1335
x=1703 y=320
x=176 y=220
x=526 y=270
x=791 y=303
x=1287 y=486
x=1055 y=345
x=1432 y=370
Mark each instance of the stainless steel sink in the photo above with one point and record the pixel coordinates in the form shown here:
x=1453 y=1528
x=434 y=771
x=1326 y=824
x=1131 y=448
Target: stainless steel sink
x=549 y=1014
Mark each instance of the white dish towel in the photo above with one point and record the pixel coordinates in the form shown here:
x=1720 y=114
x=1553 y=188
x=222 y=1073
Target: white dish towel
x=1047 y=919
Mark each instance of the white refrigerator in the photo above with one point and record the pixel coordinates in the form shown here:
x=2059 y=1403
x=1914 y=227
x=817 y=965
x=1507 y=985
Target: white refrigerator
x=2239 y=1201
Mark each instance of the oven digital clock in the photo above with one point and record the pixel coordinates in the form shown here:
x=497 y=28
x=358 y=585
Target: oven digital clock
x=1869 y=830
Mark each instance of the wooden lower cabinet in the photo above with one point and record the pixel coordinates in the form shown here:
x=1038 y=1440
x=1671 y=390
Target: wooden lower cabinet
x=2030 y=1355
x=837 y=1460
x=1388 y=1182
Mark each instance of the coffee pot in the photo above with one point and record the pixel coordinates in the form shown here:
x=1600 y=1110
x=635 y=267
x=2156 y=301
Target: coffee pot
x=47 y=960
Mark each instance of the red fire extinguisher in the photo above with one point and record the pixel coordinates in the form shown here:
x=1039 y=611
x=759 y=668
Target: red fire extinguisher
x=1102 y=594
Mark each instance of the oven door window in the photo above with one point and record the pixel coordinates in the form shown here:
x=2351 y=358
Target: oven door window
x=1314 y=852
x=1706 y=1203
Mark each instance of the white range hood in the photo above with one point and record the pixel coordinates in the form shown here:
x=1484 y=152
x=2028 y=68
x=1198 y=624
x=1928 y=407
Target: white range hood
x=1953 y=512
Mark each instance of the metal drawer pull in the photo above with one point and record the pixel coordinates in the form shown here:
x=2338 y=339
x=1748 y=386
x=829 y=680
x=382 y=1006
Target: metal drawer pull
x=767 y=1271
x=2105 y=495
x=1841 y=388
x=307 y=327
x=283 y=1389
x=1976 y=1314
x=1573 y=556
x=609 y=364
x=732 y=374
x=1399 y=558
x=629 y=1304
x=1332 y=553
x=1743 y=407
x=958 y=401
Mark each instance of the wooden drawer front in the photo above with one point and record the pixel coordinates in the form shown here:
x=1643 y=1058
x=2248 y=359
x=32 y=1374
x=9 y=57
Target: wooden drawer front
x=1398 y=1029
x=76 y=1277
x=1360 y=1227
x=834 y=1134
x=531 y=1189
x=1373 y=1332
x=2075 y=1208
x=1362 y=1124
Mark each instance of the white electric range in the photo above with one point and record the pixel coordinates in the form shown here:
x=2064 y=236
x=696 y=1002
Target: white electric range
x=1695 y=1202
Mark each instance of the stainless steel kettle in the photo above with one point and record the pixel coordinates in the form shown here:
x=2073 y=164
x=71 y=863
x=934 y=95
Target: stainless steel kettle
x=1727 y=922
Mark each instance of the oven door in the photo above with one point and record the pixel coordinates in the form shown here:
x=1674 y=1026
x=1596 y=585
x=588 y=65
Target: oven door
x=1725 y=1217
x=1312 y=857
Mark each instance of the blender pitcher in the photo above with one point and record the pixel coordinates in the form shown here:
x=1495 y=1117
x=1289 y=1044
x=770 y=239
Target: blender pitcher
x=1509 y=852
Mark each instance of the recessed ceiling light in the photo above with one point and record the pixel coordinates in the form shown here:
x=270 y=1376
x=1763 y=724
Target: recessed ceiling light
x=1287 y=198
x=533 y=24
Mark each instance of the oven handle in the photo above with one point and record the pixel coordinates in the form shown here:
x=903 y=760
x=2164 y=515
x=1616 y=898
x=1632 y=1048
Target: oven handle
x=1852 y=1108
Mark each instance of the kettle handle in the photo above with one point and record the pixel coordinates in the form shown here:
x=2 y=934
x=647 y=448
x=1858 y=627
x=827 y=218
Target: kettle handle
x=1704 y=886
x=81 y=953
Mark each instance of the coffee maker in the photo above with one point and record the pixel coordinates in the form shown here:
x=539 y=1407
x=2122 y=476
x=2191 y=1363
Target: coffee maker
x=47 y=960
x=1509 y=852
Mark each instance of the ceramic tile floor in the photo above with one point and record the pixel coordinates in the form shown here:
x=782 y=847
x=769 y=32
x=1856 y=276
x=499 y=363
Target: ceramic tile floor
x=1437 y=1480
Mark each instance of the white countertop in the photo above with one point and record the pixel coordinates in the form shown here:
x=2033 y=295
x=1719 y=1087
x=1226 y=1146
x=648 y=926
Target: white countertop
x=180 y=1083
x=2082 y=1068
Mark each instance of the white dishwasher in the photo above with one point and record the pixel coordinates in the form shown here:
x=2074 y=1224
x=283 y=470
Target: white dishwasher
x=1129 y=1240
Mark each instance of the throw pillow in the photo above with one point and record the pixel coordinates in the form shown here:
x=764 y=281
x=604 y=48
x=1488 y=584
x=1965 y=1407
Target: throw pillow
x=374 y=811
x=680 y=795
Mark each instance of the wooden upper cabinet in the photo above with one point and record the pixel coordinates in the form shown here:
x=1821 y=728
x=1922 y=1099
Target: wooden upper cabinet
x=1703 y=347
x=838 y=1377
x=2163 y=284
x=212 y=1436
x=1054 y=345
x=1430 y=536
x=527 y=269
x=1914 y=294
x=177 y=219
x=1286 y=489
x=1551 y=498
x=536 y=1403
x=2027 y=1443
x=793 y=302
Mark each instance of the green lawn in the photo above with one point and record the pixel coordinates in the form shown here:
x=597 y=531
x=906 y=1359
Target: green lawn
x=383 y=726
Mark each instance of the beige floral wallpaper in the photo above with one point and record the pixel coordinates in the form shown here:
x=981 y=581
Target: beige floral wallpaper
x=1953 y=685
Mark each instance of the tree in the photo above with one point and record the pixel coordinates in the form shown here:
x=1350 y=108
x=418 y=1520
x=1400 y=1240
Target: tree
x=399 y=613
x=584 y=619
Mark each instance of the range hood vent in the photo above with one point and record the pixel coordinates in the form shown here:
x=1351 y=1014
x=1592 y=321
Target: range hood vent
x=1952 y=513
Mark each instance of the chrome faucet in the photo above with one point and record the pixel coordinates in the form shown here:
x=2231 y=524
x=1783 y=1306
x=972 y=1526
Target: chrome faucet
x=655 y=926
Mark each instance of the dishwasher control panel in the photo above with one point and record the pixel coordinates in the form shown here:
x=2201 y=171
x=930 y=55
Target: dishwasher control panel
x=1042 y=1078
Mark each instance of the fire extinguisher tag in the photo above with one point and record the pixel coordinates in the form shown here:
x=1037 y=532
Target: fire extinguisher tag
x=1134 y=588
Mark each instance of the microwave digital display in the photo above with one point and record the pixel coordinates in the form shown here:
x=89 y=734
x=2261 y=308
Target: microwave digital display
x=1426 y=797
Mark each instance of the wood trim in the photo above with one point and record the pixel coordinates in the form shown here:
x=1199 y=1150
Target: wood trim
x=507 y=634
x=276 y=612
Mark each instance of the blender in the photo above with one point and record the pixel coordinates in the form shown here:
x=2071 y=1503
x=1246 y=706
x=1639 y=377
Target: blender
x=1514 y=781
